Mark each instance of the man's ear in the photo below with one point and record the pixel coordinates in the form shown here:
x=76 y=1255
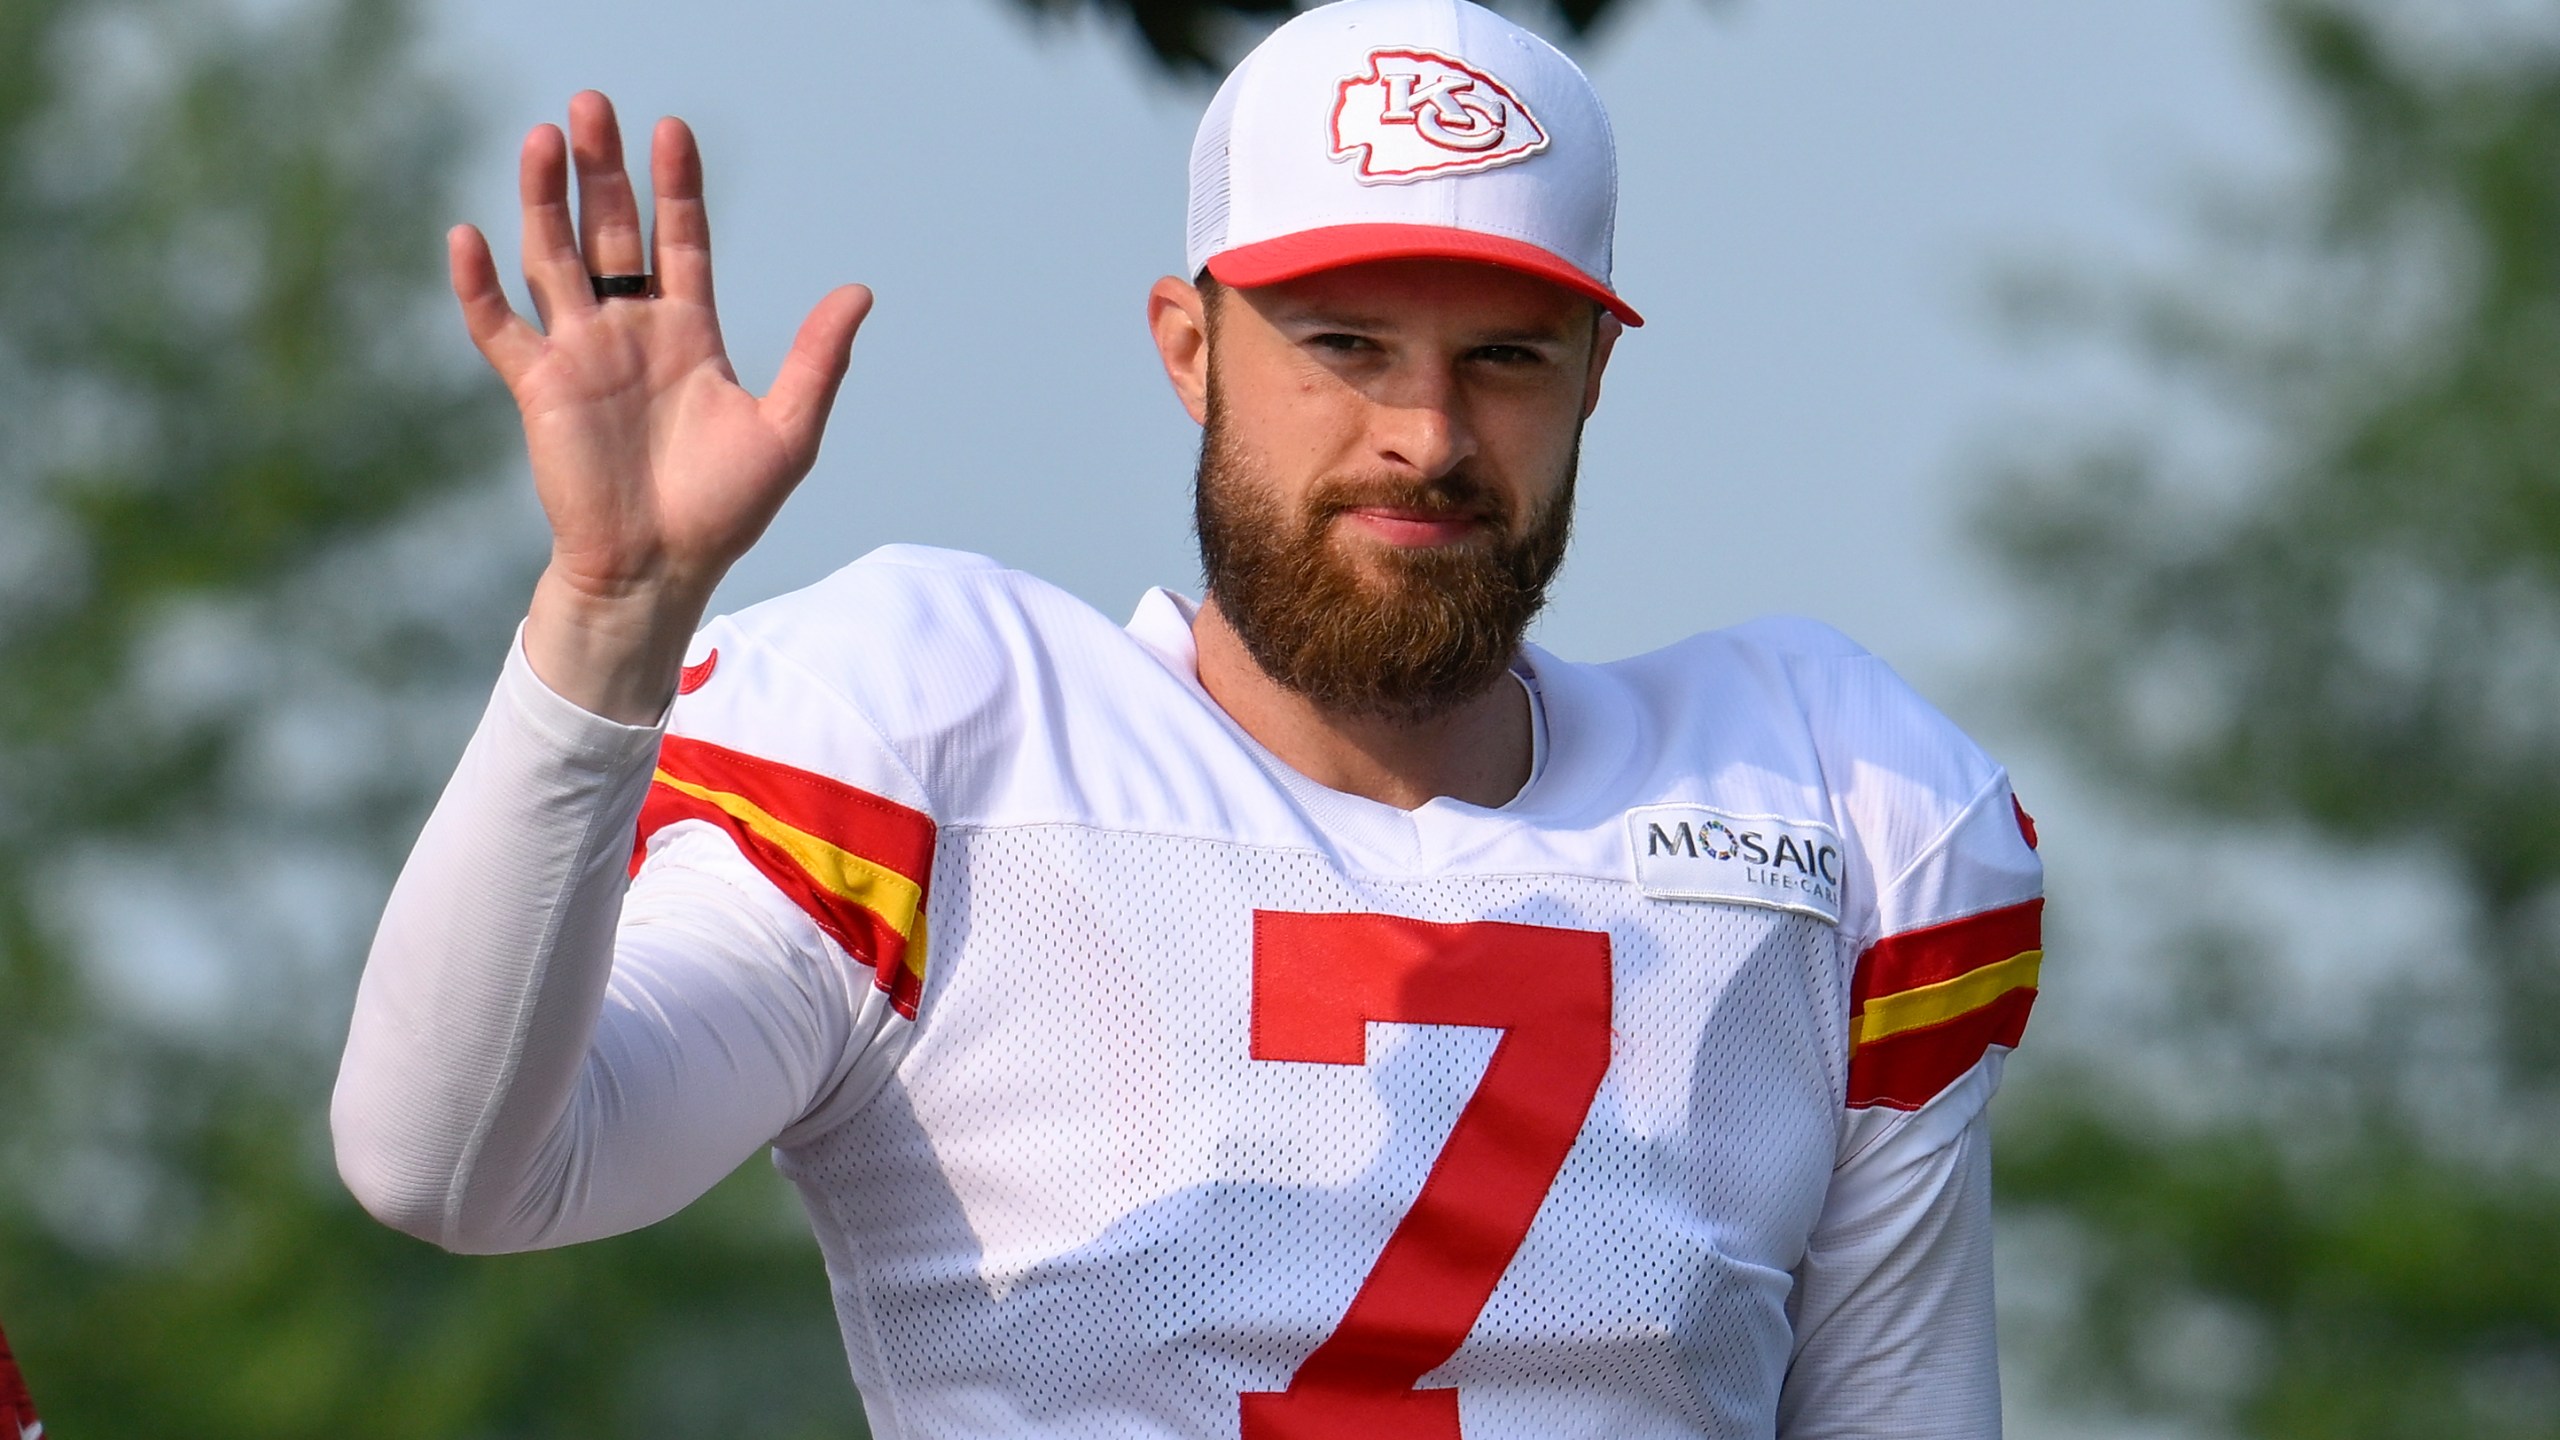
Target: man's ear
x=1179 y=319
x=1605 y=330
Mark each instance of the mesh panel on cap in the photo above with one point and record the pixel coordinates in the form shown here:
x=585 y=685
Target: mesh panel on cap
x=1208 y=229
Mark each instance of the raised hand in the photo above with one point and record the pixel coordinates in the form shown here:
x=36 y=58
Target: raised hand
x=656 y=469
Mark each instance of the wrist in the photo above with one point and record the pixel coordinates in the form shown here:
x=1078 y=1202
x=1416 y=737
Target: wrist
x=616 y=653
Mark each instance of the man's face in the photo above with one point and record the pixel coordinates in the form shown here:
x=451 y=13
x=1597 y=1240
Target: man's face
x=1386 y=477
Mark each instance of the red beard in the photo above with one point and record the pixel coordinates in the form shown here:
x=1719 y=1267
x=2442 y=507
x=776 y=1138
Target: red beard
x=1402 y=635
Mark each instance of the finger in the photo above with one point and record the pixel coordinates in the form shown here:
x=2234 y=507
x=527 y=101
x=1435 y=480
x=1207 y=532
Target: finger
x=608 y=216
x=682 y=235
x=505 y=341
x=805 y=391
x=553 y=270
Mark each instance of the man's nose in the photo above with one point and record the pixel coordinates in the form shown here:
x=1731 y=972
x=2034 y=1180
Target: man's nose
x=1420 y=421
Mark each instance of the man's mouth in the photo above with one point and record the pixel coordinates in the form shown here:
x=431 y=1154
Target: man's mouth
x=1413 y=528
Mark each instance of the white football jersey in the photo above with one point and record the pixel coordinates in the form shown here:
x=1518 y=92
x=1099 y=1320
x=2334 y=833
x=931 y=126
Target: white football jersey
x=1179 y=1096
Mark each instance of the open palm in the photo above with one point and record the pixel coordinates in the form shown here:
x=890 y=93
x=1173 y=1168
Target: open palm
x=656 y=469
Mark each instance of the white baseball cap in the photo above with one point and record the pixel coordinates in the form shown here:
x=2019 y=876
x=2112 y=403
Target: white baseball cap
x=1405 y=129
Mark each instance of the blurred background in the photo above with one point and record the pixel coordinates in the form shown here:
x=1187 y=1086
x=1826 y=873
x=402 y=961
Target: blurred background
x=2167 y=388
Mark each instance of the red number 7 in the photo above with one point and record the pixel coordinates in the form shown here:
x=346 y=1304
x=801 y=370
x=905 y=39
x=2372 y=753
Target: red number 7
x=1317 y=982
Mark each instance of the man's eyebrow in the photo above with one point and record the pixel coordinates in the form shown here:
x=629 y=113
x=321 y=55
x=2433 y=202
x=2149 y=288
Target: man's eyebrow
x=1556 y=334
x=1326 y=318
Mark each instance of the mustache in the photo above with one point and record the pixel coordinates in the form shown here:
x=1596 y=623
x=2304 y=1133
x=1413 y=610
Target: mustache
x=1456 y=494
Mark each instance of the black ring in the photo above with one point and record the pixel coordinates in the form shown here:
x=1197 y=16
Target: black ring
x=629 y=286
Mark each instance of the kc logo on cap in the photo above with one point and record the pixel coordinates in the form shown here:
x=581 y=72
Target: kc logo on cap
x=1370 y=130
x=1418 y=113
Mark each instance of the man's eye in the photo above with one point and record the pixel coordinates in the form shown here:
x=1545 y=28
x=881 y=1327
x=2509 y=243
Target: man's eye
x=1336 y=340
x=1510 y=355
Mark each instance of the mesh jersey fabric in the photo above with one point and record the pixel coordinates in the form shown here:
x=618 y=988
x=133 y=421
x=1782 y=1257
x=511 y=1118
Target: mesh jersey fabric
x=1119 y=1235
x=1015 y=1076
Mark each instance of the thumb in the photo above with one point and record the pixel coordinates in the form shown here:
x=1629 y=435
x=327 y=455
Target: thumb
x=805 y=390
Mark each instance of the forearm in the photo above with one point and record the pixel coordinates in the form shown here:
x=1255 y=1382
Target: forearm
x=480 y=1000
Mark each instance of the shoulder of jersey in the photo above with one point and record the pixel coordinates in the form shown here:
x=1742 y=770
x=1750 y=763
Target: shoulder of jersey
x=775 y=765
x=956 y=686
x=904 y=628
x=1900 y=780
x=1950 y=913
x=864 y=674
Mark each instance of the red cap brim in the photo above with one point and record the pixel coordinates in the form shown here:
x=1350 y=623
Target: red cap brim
x=1289 y=256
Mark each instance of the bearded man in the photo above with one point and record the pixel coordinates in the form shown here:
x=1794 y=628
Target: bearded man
x=1307 y=1012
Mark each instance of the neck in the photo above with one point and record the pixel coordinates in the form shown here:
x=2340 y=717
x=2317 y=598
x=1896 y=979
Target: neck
x=1479 y=751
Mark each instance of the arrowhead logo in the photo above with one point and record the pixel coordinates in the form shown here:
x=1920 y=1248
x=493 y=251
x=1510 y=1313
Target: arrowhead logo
x=1419 y=113
x=694 y=677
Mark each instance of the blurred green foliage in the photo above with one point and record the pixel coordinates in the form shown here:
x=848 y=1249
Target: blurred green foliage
x=252 y=572
x=2341 y=621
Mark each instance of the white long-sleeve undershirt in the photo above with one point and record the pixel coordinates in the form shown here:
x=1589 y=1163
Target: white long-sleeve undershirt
x=533 y=1060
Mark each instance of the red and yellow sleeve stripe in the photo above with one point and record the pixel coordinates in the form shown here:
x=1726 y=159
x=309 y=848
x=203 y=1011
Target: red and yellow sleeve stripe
x=1924 y=1006
x=857 y=863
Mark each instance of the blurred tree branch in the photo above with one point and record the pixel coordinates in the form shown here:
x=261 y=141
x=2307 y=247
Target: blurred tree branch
x=1198 y=37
